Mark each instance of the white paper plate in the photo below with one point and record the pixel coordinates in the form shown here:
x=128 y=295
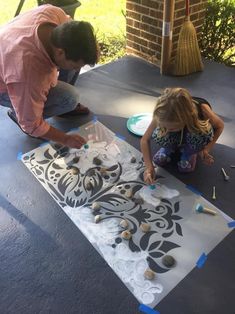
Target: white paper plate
x=139 y=123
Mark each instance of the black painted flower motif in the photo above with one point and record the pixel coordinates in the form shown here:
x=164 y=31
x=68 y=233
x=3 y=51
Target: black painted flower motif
x=165 y=219
x=71 y=189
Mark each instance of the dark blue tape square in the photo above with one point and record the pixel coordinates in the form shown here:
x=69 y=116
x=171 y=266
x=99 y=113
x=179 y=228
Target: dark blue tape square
x=231 y=224
x=148 y=310
x=19 y=155
x=201 y=261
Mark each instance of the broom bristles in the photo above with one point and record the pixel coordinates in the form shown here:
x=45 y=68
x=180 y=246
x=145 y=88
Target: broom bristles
x=188 y=57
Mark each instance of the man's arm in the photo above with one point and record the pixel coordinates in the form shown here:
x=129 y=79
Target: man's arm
x=29 y=112
x=70 y=140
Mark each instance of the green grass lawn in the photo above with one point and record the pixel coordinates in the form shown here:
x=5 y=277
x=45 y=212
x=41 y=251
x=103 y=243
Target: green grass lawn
x=106 y=16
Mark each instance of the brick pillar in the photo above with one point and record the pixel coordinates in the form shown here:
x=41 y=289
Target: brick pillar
x=144 y=26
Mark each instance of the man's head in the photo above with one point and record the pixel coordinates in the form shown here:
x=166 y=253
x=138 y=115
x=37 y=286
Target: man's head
x=74 y=45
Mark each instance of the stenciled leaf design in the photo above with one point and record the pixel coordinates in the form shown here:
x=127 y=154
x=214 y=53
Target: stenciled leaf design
x=141 y=215
x=155 y=267
x=113 y=168
x=78 y=192
x=63 y=151
x=168 y=234
x=43 y=162
x=167 y=246
x=164 y=200
x=137 y=187
x=156 y=254
x=81 y=202
x=144 y=242
x=38 y=172
x=176 y=217
x=133 y=247
x=111 y=199
x=57 y=167
x=47 y=154
x=178 y=229
x=64 y=183
x=177 y=206
x=70 y=202
x=154 y=245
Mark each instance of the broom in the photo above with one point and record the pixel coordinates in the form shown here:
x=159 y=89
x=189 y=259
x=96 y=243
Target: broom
x=188 y=57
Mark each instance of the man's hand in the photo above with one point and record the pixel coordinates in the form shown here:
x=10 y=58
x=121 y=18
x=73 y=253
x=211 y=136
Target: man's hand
x=206 y=157
x=149 y=175
x=74 y=141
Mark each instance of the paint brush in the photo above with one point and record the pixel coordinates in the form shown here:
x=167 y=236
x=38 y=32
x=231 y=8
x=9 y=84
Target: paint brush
x=213 y=193
x=226 y=177
x=202 y=209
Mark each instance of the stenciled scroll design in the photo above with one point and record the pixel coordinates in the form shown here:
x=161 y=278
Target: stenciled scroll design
x=69 y=189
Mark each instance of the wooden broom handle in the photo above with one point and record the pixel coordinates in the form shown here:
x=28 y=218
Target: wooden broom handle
x=187 y=8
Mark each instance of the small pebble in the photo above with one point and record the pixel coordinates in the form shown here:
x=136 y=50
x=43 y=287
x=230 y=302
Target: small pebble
x=168 y=261
x=95 y=206
x=97 y=218
x=97 y=161
x=76 y=160
x=129 y=194
x=91 y=172
x=149 y=274
x=126 y=235
x=124 y=224
x=86 y=146
x=88 y=186
x=145 y=227
x=103 y=171
x=139 y=201
x=74 y=170
x=133 y=160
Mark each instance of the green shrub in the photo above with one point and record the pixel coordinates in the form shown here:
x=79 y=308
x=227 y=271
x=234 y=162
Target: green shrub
x=218 y=34
x=111 y=48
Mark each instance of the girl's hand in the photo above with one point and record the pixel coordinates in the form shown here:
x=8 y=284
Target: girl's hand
x=149 y=175
x=206 y=157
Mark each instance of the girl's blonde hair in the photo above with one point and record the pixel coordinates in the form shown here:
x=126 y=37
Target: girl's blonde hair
x=176 y=105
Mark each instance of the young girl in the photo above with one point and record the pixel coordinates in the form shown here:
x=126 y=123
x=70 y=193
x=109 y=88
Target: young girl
x=180 y=122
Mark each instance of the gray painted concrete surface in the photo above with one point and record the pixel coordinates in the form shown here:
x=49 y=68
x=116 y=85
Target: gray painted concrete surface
x=48 y=266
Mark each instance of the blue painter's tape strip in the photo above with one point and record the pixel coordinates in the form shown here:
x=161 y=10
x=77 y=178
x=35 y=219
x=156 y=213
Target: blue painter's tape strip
x=191 y=188
x=19 y=156
x=201 y=261
x=120 y=136
x=95 y=119
x=231 y=224
x=148 y=310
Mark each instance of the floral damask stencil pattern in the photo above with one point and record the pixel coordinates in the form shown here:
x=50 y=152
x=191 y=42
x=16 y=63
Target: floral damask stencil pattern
x=75 y=182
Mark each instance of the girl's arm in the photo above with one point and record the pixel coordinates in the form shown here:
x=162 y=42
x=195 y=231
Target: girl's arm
x=218 y=126
x=149 y=174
